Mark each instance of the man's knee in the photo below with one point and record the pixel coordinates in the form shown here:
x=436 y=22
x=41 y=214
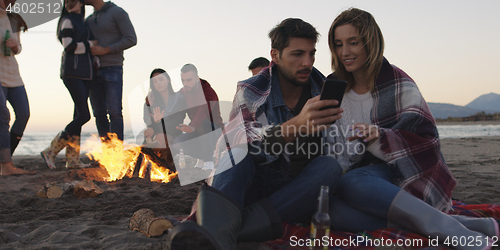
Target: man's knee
x=327 y=168
x=351 y=179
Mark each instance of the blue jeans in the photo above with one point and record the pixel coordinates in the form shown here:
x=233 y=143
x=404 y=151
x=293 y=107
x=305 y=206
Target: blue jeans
x=294 y=199
x=364 y=197
x=4 y=130
x=106 y=92
x=79 y=92
x=18 y=99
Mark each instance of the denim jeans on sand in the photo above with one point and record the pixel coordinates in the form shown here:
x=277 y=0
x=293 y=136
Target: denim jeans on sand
x=106 y=92
x=294 y=199
x=4 y=130
x=79 y=92
x=364 y=197
x=18 y=99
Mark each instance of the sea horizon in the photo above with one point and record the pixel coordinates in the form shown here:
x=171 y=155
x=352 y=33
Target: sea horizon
x=34 y=142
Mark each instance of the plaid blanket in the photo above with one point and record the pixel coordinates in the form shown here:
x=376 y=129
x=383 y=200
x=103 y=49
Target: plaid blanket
x=368 y=239
x=248 y=121
x=409 y=137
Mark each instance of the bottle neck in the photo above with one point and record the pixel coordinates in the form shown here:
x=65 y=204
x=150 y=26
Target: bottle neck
x=323 y=201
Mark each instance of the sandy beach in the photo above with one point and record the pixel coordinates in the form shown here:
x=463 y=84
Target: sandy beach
x=30 y=222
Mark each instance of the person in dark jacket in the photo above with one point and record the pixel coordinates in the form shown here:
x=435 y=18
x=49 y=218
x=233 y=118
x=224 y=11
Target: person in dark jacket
x=202 y=108
x=76 y=72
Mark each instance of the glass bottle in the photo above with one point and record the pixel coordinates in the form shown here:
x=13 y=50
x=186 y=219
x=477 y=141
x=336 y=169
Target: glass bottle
x=182 y=160
x=6 y=49
x=320 y=223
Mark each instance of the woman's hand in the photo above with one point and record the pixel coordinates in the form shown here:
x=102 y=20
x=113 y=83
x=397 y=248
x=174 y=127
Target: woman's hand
x=365 y=131
x=12 y=44
x=157 y=114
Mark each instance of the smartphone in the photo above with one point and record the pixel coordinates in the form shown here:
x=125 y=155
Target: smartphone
x=333 y=89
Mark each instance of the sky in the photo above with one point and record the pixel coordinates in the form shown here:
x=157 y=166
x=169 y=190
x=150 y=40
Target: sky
x=450 y=48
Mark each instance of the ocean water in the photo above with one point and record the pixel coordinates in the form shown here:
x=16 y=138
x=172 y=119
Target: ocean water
x=465 y=131
x=33 y=143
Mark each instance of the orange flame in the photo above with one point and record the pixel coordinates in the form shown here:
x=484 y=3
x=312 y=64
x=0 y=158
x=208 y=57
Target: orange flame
x=119 y=159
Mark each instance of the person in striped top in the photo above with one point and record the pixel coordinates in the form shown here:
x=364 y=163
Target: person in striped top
x=76 y=72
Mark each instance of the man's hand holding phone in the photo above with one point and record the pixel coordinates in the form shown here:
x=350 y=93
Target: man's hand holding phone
x=312 y=119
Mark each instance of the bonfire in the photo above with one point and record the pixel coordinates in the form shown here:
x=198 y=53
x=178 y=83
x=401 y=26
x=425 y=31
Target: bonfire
x=119 y=159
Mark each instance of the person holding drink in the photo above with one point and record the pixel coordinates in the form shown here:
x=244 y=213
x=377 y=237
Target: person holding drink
x=401 y=179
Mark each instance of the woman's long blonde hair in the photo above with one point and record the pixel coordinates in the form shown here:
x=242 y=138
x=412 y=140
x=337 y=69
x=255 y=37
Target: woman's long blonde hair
x=370 y=36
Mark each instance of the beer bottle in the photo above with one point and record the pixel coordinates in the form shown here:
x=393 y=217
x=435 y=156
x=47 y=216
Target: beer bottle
x=182 y=160
x=320 y=223
x=6 y=49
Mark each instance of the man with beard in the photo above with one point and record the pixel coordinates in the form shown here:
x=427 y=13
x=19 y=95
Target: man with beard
x=203 y=110
x=270 y=170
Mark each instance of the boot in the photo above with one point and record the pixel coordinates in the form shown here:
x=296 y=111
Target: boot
x=219 y=220
x=58 y=143
x=73 y=153
x=261 y=223
x=487 y=226
x=416 y=215
x=14 y=141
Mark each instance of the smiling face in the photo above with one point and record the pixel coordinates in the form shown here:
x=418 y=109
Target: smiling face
x=295 y=62
x=160 y=82
x=350 y=50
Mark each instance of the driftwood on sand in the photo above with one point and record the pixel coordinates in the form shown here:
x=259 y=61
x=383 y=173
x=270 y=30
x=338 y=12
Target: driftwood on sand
x=80 y=189
x=56 y=189
x=146 y=222
x=86 y=188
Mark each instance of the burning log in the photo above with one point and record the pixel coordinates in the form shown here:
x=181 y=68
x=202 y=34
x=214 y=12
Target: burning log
x=136 y=161
x=56 y=189
x=156 y=159
x=138 y=165
x=146 y=222
x=86 y=188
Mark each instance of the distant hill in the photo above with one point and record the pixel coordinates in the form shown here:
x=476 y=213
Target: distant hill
x=485 y=102
x=489 y=103
x=445 y=110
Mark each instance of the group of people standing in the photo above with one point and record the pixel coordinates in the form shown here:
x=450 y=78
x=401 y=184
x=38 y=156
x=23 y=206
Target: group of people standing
x=91 y=66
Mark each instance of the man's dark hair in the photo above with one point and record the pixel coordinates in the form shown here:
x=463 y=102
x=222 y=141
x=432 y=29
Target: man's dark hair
x=291 y=27
x=189 y=67
x=258 y=62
